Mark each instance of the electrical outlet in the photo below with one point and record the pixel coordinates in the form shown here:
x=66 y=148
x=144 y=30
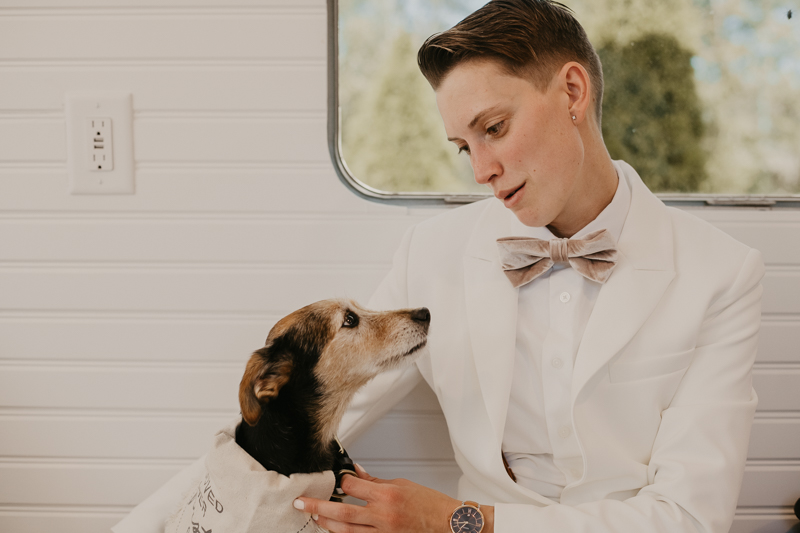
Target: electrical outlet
x=100 y=144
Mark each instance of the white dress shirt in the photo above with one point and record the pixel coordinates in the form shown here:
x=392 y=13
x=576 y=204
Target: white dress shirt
x=539 y=441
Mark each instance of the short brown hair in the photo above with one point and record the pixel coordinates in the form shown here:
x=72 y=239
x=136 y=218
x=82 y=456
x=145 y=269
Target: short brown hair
x=531 y=39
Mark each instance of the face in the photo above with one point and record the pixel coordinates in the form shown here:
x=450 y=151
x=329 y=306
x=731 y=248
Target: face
x=363 y=343
x=342 y=344
x=521 y=141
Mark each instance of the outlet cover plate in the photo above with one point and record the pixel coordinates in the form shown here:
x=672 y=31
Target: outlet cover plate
x=83 y=179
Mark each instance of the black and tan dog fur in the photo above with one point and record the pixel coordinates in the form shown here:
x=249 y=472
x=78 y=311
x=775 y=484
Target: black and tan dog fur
x=296 y=389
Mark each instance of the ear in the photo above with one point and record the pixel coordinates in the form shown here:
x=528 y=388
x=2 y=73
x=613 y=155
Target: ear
x=579 y=88
x=262 y=381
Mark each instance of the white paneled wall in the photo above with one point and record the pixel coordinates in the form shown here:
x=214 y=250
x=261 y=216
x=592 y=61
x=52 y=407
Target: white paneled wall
x=772 y=476
x=125 y=321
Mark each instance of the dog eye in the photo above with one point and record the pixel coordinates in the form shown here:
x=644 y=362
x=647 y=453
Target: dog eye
x=350 y=320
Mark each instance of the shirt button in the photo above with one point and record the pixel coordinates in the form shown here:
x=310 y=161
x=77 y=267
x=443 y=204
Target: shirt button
x=564 y=297
x=558 y=363
x=564 y=432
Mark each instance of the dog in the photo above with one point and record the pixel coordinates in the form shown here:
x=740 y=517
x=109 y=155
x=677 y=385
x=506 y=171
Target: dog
x=296 y=388
x=293 y=395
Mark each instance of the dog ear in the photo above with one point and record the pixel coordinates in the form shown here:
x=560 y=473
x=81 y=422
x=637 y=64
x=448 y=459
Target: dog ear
x=262 y=381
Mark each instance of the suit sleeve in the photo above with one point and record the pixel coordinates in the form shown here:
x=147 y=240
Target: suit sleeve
x=388 y=388
x=698 y=458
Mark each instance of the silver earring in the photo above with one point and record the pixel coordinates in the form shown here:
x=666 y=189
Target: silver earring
x=573 y=117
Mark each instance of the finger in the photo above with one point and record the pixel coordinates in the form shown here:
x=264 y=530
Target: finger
x=362 y=473
x=335 y=526
x=340 y=512
x=372 y=490
x=361 y=488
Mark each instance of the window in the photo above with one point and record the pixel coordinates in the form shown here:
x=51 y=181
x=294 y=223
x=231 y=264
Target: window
x=702 y=97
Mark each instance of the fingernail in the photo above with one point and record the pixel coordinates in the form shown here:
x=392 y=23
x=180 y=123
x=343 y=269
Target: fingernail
x=315 y=517
x=299 y=505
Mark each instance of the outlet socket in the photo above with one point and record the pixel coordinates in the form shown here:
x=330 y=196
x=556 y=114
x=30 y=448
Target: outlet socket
x=100 y=144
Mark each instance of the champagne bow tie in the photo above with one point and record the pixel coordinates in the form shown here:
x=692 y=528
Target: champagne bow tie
x=526 y=258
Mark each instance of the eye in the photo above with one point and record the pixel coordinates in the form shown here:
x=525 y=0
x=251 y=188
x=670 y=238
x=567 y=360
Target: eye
x=495 y=129
x=350 y=320
x=464 y=148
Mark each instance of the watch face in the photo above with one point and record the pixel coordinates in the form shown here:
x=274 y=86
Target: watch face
x=466 y=519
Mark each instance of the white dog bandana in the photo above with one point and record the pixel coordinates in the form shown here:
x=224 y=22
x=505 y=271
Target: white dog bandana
x=238 y=495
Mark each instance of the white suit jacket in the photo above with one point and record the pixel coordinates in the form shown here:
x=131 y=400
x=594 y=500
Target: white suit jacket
x=662 y=401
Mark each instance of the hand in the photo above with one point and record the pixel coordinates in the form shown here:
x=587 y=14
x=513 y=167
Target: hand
x=394 y=506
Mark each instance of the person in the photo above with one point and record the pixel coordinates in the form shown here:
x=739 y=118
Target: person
x=591 y=348
x=621 y=404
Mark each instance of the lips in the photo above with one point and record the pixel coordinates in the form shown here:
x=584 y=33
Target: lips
x=514 y=192
x=510 y=195
x=415 y=348
x=391 y=362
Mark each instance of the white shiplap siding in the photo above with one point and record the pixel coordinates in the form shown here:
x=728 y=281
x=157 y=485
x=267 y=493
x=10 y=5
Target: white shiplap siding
x=125 y=321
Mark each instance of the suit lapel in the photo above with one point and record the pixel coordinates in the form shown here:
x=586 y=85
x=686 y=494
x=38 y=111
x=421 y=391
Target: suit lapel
x=642 y=275
x=491 y=312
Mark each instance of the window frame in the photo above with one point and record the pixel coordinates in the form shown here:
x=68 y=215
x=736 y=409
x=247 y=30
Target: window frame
x=443 y=199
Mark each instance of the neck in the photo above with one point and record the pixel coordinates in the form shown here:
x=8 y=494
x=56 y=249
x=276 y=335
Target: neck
x=285 y=439
x=594 y=188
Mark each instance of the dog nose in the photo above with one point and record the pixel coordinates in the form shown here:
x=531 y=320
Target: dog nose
x=421 y=315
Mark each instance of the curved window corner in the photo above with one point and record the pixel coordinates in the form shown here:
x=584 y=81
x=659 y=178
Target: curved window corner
x=701 y=98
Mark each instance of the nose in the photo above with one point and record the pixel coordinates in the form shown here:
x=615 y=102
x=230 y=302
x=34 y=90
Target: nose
x=421 y=315
x=484 y=166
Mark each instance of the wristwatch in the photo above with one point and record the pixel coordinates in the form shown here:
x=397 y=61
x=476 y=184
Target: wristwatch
x=467 y=518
